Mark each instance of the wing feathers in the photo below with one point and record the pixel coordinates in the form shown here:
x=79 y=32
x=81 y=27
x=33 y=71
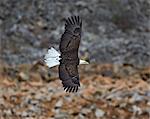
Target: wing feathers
x=69 y=46
x=70 y=21
x=74 y=20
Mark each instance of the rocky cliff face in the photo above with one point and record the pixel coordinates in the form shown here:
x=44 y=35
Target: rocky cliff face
x=116 y=31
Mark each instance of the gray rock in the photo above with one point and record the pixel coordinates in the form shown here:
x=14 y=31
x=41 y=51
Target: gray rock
x=85 y=110
x=99 y=113
x=24 y=114
x=136 y=109
x=34 y=102
x=61 y=116
x=137 y=98
x=7 y=112
x=59 y=103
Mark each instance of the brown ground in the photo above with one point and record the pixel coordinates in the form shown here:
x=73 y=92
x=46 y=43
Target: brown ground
x=107 y=92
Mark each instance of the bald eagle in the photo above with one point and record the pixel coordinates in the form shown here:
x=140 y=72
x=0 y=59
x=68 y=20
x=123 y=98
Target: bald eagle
x=68 y=59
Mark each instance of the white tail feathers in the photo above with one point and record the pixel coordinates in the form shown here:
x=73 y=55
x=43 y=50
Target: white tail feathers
x=52 y=58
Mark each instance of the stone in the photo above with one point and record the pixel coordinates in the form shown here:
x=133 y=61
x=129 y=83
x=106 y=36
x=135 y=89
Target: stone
x=136 y=109
x=59 y=103
x=99 y=113
x=23 y=76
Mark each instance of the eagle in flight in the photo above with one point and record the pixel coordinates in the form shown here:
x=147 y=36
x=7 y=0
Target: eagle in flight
x=68 y=59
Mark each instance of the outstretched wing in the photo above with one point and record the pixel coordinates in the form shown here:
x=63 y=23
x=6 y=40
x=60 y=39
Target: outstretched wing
x=72 y=31
x=69 y=45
